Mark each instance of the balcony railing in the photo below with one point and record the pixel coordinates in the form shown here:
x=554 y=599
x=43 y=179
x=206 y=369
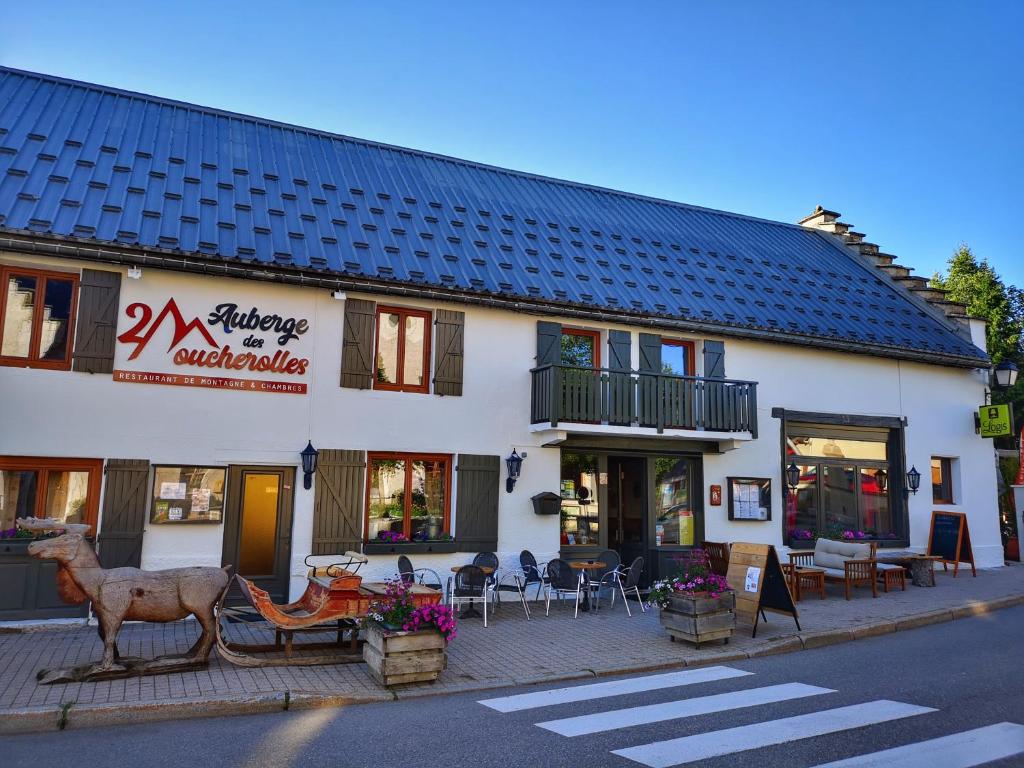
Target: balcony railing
x=564 y=393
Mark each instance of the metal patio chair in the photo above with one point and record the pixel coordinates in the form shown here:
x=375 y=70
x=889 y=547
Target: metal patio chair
x=608 y=579
x=563 y=580
x=512 y=581
x=532 y=572
x=630 y=583
x=411 y=575
x=469 y=586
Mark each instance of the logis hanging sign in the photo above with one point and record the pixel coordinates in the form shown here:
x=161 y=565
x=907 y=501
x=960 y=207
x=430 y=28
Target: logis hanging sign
x=228 y=347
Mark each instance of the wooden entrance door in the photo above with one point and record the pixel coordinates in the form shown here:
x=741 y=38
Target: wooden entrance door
x=258 y=526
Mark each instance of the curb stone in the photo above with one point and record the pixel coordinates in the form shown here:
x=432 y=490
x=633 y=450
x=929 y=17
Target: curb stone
x=38 y=720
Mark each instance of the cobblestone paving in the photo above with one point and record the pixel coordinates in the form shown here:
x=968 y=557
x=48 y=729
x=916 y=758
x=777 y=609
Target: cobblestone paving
x=511 y=650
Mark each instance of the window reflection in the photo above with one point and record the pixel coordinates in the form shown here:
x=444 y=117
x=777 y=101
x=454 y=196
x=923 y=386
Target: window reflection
x=674 y=523
x=580 y=506
x=18 y=315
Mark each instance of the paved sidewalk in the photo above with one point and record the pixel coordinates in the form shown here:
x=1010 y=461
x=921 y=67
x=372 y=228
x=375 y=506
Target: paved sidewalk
x=510 y=651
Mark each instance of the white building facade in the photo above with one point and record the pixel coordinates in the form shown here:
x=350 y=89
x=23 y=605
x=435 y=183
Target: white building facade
x=165 y=398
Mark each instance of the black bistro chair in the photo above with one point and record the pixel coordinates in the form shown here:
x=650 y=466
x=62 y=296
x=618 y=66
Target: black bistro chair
x=532 y=572
x=630 y=584
x=562 y=580
x=607 y=579
x=469 y=586
x=486 y=560
x=411 y=575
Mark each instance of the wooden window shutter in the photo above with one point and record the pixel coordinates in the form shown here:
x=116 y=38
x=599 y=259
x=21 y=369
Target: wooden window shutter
x=619 y=351
x=549 y=343
x=448 y=345
x=650 y=353
x=714 y=359
x=98 y=302
x=357 y=363
x=476 y=511
x=125 y=493
x=338 y=501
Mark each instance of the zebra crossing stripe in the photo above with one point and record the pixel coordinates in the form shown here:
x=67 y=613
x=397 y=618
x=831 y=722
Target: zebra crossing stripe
x=575 y=693
x=958 y=750
x=704 y=746
x=655 y=713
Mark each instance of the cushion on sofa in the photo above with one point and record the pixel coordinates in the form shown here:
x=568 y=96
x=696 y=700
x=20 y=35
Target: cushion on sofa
x=833 y=554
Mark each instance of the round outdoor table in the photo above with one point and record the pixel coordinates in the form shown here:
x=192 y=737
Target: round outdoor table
x=586 y=565
x=471 y=611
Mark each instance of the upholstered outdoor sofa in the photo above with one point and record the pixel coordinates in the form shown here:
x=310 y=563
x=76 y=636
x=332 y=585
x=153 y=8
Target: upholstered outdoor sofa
x=852 y=563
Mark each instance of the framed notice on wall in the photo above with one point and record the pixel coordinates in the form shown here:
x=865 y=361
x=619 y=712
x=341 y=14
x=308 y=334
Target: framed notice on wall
x=188 y=495
x=750 y=498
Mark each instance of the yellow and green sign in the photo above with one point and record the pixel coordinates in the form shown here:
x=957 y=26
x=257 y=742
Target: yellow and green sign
x=994 y=421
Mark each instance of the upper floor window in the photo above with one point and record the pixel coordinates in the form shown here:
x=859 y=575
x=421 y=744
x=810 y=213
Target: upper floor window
x=580 y=348
x=942 y=480
x=403 y=349
x=677 y=357
x=36 y=318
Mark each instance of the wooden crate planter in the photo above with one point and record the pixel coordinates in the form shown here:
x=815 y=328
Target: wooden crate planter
x=700 y=619
x=397 y=658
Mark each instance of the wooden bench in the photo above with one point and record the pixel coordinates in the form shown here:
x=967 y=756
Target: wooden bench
x=852 y=563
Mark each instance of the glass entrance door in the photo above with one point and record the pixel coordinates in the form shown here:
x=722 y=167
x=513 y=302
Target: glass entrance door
x=627 y=507
x=258 y=526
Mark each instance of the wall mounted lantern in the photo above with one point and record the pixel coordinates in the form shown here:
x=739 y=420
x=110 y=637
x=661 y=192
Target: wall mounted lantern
x=309 y=454
x=913 y=481
x=514 y=463
x=1006 y=374
x=793 y=476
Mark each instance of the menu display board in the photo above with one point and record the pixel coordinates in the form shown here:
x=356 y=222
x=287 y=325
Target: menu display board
x=750 y=498
x=949 y=539
x=188 y=494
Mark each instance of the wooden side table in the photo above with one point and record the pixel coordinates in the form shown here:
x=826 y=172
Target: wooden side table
x=805 y=577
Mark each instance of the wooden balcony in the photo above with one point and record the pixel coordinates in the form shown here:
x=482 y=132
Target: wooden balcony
x=601 y=396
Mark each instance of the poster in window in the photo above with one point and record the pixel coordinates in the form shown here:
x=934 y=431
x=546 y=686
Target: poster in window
x=188 y=494
x=750 y=498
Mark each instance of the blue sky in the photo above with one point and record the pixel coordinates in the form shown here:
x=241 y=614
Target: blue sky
x=907 y=117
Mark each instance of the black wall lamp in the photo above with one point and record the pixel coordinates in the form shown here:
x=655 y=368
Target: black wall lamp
x=913 y=481
x=514 y=463
x=1004 y=376
x=309 y=454
x=792 y=476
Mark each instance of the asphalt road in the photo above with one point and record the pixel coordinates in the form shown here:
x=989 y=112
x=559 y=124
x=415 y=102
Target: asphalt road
x=969 y=672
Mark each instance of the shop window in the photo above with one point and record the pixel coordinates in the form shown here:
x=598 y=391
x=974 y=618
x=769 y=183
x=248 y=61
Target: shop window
x=675 y=518
x=677 y=357
x=64 y=489
x=188 y=495
x=408 y=496
x=942 y=480
x=580 y=514
x=403 y=349
x=843 y=488
x=580 y=348
x=36 y=318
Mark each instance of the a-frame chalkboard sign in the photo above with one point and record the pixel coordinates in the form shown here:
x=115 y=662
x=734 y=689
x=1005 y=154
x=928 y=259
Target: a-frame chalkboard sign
x=756 y=577
x=950 y=540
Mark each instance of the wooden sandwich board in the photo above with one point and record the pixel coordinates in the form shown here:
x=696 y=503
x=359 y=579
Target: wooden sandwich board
x=950 y=540
x=756 y=577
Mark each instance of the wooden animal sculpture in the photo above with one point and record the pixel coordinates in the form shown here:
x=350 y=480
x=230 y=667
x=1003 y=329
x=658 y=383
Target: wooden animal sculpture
x=120 y=594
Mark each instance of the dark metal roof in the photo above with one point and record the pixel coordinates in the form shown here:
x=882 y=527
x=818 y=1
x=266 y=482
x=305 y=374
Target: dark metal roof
x=93 y=164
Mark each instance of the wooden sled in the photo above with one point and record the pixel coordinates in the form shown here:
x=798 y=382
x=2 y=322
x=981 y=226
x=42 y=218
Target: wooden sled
x=336 y=600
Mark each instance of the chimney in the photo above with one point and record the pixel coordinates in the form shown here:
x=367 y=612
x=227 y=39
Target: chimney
x=828 y=221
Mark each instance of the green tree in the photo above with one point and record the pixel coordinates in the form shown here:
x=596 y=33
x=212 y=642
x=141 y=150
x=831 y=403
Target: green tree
x=976 y=284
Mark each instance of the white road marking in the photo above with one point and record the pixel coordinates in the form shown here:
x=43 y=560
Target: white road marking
x=655 y=713
x=612 y=688
x=958 y=750
x=703 y=746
